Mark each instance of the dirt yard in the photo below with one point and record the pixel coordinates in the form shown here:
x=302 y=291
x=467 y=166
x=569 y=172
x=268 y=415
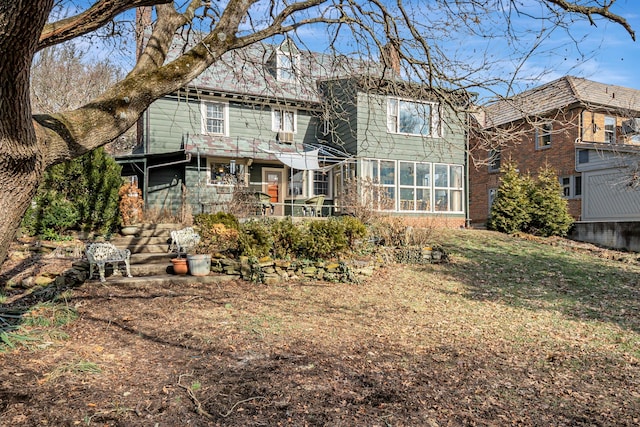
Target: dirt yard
x=409 y=348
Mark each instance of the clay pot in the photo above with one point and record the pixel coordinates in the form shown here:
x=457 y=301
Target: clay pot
x=180 y=265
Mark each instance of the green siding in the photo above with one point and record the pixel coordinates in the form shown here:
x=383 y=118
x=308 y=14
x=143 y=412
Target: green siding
x=169 y=120
x=375 y=142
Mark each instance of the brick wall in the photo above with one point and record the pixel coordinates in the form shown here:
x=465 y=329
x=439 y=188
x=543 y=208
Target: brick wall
x=522 y=149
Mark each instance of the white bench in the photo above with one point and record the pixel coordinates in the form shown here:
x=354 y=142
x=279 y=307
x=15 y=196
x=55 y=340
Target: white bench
x=99 y=254
x=183 y=240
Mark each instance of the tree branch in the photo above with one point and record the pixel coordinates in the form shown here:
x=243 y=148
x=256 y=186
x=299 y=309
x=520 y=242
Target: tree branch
x=90 y=20
x=588 y=11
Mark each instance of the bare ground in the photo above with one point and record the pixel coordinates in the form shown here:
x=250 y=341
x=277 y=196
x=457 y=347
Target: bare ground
x=407 y=348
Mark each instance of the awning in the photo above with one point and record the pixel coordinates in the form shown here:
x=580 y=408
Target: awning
x=307 y=160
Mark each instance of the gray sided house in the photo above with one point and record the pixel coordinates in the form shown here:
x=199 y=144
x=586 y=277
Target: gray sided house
x=293 y=125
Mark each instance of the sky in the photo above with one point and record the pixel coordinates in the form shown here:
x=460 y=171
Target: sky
x=605 y=53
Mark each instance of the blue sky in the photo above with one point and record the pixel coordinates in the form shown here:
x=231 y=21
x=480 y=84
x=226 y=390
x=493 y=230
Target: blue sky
x=605 y=53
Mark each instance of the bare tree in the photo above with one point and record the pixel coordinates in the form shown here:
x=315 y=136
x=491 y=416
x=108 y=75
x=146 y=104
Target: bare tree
x=420 y=32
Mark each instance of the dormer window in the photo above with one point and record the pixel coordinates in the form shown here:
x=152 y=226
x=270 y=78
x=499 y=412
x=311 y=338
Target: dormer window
x=287 y=61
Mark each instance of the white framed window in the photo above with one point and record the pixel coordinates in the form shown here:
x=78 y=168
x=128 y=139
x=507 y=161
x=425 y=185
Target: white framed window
x=296 y=183
x=215 y=117
x=447 y=188
x=610 y=130
x=413 y=117
x=571 y=186
x=287 y=65
x=284 y=120
x=415 y=186
x=543 y=135
x=321 y=184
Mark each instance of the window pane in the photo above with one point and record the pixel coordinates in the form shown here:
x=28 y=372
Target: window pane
x=387 y=172
x=295 y=183
x=423 y=199
x=442 y=201
x=406 y=173
x=406 y=199
x=441 y=176
x=320 y=183
x=456 y=176
x=456 y=200
x=423 y=175
x=415 y=118
x=288 y=121
x=577 y=183
x=215 y=118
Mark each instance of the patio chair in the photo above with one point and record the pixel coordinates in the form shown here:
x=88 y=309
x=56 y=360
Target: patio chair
x=264 y=203
x=313 y=206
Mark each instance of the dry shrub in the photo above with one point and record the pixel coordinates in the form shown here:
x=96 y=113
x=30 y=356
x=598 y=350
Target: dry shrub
x=364 y=199
x=243 y=202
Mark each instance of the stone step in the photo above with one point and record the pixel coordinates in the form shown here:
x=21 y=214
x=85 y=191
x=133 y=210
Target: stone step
x=164 y=279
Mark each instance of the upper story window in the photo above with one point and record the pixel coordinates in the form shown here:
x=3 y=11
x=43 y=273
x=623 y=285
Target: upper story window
x=610 y=130
x=284 y=120
x=543 y=135
x=214 y=118
x=412 y=118
x=495 y=156
x=287 y=61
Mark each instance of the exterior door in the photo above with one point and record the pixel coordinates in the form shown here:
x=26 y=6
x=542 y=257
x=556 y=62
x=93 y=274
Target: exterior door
x=272 y=185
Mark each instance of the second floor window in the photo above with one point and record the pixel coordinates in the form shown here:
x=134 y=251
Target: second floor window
x=543 y=135
x=610 y=130
x=214 y=118
x=494 y=160
x=284 y=121
x=412 y=118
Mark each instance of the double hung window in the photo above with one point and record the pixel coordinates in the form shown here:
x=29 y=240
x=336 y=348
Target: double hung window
x=412 y=118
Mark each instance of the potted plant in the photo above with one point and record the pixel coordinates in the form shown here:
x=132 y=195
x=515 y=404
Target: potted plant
x=131 y=208
x=180 y=265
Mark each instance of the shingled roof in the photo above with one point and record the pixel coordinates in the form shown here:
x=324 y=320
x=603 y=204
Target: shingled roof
x=561 y=93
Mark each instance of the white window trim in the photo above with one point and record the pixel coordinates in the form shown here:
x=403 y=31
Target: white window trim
x=203 y=115
x=275 y=110
x=612 y=133
x=435 y=130
x=432 y=185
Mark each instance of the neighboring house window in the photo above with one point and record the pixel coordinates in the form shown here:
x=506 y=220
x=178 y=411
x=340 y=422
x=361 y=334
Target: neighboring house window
x=412 y=118
x=543 y=135
x=495 y=156
x=284 y=121
x=571 y=186
x=225 y=172
x=214 y=115
x=320 y=183
x=610 y=130
x=415 y=186
x=583 y=156
x=447 y=182
x=493 y=192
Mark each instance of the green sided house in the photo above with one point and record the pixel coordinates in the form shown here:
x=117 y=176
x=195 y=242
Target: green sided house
x=295 y=128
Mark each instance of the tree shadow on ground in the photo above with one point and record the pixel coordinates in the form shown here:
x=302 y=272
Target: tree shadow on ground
x=581 y=285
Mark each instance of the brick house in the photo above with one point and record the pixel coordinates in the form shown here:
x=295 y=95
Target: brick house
x=588 y=132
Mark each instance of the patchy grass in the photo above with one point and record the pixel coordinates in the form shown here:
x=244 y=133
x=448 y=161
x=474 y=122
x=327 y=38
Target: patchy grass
x=511 y=331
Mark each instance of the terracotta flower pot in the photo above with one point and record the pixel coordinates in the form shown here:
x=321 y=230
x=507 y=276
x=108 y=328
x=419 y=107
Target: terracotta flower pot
x=180 y=265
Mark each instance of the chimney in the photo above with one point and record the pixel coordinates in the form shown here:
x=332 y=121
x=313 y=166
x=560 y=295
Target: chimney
x=143 y=22
x=390 y=57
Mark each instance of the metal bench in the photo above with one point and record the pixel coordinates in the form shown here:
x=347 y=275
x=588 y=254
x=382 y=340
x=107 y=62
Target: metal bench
x=100 y=254
x=183 y=240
